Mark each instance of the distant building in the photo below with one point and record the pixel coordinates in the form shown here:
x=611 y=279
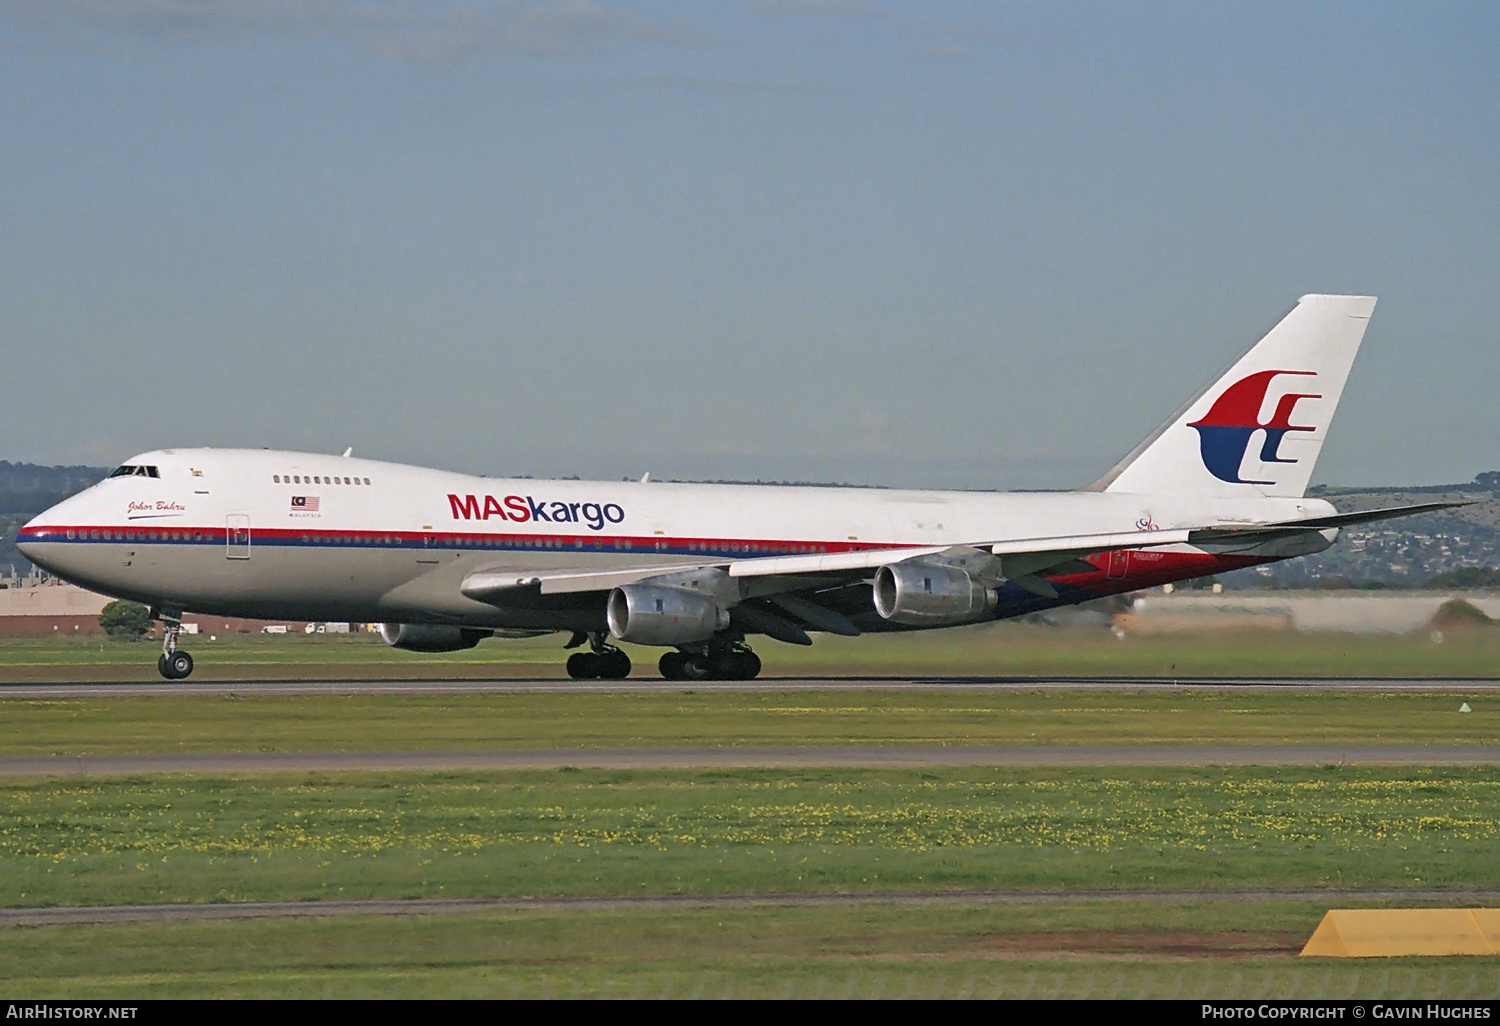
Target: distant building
x=29 y=606
x=44 y=607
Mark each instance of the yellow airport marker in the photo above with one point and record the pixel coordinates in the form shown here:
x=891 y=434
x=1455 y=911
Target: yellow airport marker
x=1388 y=932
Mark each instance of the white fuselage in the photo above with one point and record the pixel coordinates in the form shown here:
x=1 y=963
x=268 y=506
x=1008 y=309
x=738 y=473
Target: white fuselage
x=304 y=536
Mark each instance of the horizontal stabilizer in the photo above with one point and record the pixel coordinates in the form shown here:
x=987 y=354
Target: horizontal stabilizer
x=1338 y=520
x=1370 y=516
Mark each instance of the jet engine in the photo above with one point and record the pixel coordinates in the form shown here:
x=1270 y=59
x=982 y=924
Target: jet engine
x=927 y=594
x=421 y=637
x=652 y=615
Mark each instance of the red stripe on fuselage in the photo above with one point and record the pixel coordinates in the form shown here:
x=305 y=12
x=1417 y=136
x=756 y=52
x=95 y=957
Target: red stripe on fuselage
x=717 y=547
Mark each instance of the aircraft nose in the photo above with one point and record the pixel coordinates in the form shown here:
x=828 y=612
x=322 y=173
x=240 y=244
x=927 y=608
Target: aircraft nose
x=42 y=540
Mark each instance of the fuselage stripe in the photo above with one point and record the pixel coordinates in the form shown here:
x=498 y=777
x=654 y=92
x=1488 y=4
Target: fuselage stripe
x=114 y=534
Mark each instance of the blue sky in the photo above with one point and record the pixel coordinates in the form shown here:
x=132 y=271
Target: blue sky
x=966 y=244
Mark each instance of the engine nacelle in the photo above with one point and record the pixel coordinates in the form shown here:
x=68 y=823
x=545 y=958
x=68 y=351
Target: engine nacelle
x=926 y=594
x=652 y=615
x=421 y=637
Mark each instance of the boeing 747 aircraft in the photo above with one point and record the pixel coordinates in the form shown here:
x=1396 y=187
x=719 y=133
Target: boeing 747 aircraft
x=443 y=560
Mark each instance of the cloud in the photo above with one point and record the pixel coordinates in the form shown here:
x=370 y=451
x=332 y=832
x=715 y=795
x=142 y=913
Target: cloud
x=943 y=50
x=925 y=37
x=819 y=8
x=419 y=30
x=717 y=86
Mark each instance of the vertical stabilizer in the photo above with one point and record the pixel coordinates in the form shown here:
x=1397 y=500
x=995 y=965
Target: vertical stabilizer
x=1259 y=427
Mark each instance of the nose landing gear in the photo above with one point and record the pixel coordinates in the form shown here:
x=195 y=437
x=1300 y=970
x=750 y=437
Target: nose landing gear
x=715 y=662
x=173 y=663
x=602 y=661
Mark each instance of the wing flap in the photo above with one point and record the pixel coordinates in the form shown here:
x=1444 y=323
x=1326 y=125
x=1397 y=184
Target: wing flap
x=1071 y=546
x=868 y=559
x=489 y=585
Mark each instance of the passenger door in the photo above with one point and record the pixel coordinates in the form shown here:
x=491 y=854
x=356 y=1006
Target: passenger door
x=237 y=536
x=1119 y=564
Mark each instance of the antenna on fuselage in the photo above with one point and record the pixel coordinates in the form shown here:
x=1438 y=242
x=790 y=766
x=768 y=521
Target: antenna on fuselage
x=348 y=452
x=646 y=477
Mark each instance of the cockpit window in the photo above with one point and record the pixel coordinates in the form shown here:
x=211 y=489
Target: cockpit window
x=130 y=470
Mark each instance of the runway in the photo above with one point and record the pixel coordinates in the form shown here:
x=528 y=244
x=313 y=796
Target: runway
x=765 y=757
x=98 y=914
x=647 y=685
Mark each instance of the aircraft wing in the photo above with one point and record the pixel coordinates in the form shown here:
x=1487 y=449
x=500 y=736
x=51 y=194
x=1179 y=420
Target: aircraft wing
x=1020 y=559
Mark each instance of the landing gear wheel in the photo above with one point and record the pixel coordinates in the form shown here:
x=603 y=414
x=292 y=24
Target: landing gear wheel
x=175 y=666
x=746 y=665
x=583 y=666
x=614 y=664
x=717 y=663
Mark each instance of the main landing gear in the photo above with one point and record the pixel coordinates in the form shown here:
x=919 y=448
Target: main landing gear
x=712 y=662
x=602 y=661
x=173 y=663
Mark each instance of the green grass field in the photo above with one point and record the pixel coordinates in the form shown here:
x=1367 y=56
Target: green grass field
x=201 y=839
x=1005 y=649
x=568 y=833
x=1212 y=949
x=244 y=722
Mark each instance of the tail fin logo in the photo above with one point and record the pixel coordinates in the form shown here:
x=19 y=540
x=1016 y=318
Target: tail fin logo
x=1225 y=432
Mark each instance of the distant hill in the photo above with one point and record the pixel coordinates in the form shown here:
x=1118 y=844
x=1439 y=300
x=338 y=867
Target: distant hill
x=25 y=490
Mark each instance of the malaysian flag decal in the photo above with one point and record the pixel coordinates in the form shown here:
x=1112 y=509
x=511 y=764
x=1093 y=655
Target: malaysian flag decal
x=305 y=503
